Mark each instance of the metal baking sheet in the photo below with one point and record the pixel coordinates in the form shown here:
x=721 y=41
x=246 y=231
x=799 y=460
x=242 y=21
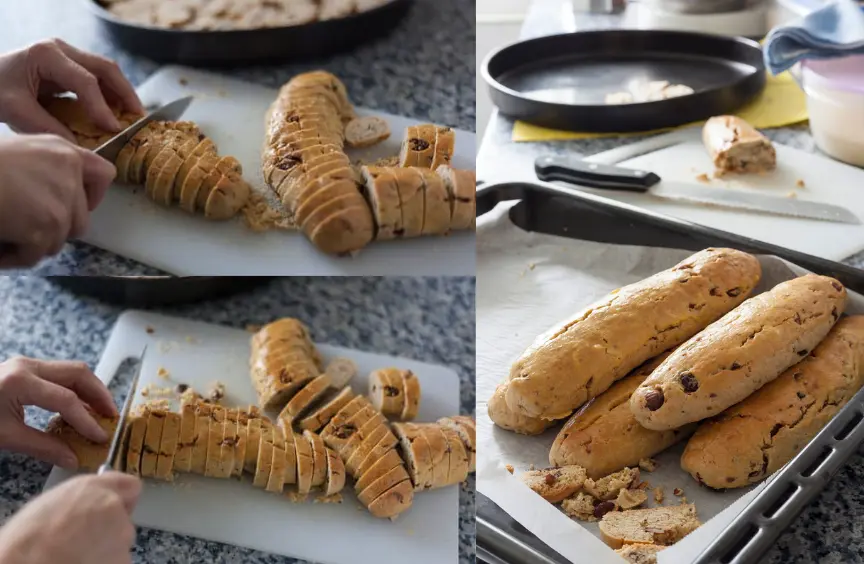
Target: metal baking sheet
x=544 y=209
x=561 y=81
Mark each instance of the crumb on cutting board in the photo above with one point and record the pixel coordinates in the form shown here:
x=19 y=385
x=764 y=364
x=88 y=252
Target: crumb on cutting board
x=150 y=330
x=800 y=183
x=703 y=178
x=216 y=391
x=183 y=81
x=658 y=494
x=259 y=215
x=509 y=468
x=161 y=403
x=162 y=373
x=678 y=492
x=532 y=266
x=792 y=195
x=643 y=486
x=335 y=498
x=253 y=328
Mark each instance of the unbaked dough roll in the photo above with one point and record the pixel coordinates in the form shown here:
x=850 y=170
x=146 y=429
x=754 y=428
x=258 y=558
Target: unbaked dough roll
x=740 y=353
x=283 y=359
x=751 y=440
x=603 y=436
x=580 y=358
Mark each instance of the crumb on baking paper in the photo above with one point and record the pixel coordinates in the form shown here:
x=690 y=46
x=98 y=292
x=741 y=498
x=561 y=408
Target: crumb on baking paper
x=792 y=195
x=703 y=178
x=531 y=467
x=150 y=330
x=509 y=468
x=678 y=492
x=648 y=464
x=799 y=183
x=162 y=373
x=658 y=494
x=643 y=486
x=683 y=500
x=216 y=391
x=335 y=498
x=183 y=81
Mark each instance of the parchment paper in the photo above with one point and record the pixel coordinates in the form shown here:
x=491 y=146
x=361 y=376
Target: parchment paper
x=526 y=282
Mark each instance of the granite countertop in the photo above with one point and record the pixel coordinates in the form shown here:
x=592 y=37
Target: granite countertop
x=424 y=69
x=428 y=319
x=829 y=530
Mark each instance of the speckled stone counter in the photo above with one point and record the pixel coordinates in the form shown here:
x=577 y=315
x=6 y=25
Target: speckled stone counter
x=831 y=529
x=427 y=319
x=424 y=69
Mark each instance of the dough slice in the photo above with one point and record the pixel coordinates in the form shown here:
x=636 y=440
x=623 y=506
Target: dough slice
x=276 y=482
x=445 y=143
x=381 y=466
x=228 y=446
x=466 y=429
x=202 y=438
x=461 y=187
x=343 y=415
x=366 y=131
x=556 y=484
x=440 y=455
x=186 y=441
x=194 y=181
x=385 y=444
x=394 y=476
x=394 y=501
x=320 y=417
x=344 y=231
x=216 y=434
x=410 y=185
x=436 y=206
x=658 y=525
x=304 y=400
x=90 y=455
x=305 y=464
x=385 y=391
x=359 y=451
x=417 y=454
x=152 y=442
x=290 y=459
x=383 y=196
x=137 y=430
x=460 y=460
x=335 y=473
x=163 y=188
x=417 y=150
x=253 y=440
x=265 y=461
x=124 y=157
x=332 y=185
x=204 y=147
x=223 y=166
x=411 y=391
x=168 y=446
x=319 y=458
x=341 y=372
x=227 y=197
x=150 y=138
x=348 y=436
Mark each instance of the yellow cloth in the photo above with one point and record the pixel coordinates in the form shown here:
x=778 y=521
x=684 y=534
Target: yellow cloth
x=781 y=103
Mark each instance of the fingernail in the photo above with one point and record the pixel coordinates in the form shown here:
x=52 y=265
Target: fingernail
x=69 y=462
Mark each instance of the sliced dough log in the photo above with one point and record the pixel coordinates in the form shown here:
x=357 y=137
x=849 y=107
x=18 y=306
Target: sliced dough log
x=417 y=453
x=343 y=231
x=319 y=191
x=319 y=459
x=356 y=405
x=383 y=196
x=275 y=381
x=461 y=188
x=320 y=417
x=386 y=391
x=445 y=144
x=411 y=391
x=349 y=437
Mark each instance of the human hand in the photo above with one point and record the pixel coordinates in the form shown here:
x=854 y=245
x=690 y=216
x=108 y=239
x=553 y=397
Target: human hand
x=62 y=386
x=51 y=67
x=81 y=521
x=47 y=189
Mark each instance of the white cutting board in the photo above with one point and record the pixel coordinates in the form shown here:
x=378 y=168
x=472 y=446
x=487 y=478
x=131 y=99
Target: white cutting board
x=233 y=512
x=232 y=112
x=825 y=180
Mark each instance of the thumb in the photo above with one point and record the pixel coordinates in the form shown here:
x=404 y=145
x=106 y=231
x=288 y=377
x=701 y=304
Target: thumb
x=40 y=445
x=98 y=176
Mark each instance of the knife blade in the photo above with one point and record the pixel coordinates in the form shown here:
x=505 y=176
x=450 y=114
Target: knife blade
x=114 y=449
x=169 y=112
x=608 y=177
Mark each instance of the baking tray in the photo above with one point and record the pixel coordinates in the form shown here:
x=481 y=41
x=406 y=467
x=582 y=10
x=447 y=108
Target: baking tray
x=250 y=46
x=560 y=81
x=556 y=210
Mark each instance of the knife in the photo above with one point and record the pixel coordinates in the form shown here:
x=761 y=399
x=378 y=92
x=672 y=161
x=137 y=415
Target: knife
x=120 y=431
x=608 y=177
x=169 y=112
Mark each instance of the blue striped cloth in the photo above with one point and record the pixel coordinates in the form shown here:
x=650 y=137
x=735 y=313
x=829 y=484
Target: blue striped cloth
x=836 y=30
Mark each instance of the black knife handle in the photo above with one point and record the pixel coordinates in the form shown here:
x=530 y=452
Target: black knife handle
x=593 y=175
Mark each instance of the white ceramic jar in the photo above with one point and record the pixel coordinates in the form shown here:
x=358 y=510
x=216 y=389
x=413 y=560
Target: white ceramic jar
x=835 y=102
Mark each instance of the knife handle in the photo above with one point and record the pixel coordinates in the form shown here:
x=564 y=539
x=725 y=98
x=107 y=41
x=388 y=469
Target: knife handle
x=594 y=175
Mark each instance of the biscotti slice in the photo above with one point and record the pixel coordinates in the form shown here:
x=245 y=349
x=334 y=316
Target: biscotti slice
x=168 y=446
x=736 y=146
x=274 y=382
x=366 y=131
x=555 y=484
x=418 y=148
x=90 y=455
x=276 y=481
x=464 y=428
x=343 y=415
x=581 y=506
x=319 y=458
x=604 y=436
x=412 y=393
x=305 y=464
x=212 y=468
x=227 y=197
x=344 y=231
x=569 y=364
x=512 y=420
x=747 y=348
x=253 y=440
x=290 y=458
x=242 y=442
x=304 y=399
x=386 y=392
x=265 y=462
x=440 y=454
x=436 y=204
x=445 y=144
x=461 y=188
x=321 y=416
x=152 y=442
x=607 y=487
x=204 y=146
x=335 y=473
x=394 y=476
x=202 y=438
x=640 y=553
x=350 y=441
x=228 y=445
x=137 y=430
x=417 y=453
x=410 y=185
x=341 y=372
x=383 y=195
x=659 y=525
x=460 y=461
x=163 y=183
x=394 y=501
x=358 y=454
x=753 y=439
x=387 y=443
x=186 y=441
x=381 y=466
